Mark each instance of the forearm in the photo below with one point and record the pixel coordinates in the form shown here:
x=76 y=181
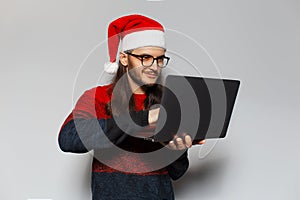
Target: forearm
x=82 y=135
x=178 y=168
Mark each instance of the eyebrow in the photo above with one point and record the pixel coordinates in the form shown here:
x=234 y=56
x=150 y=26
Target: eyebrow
x=145 y=54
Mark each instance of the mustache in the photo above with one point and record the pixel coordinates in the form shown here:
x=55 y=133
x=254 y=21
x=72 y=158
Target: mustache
x=150 y=71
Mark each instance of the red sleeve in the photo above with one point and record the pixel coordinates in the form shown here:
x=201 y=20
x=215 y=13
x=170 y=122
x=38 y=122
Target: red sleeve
x=91 y=104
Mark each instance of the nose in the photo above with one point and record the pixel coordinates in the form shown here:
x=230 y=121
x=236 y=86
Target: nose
x=154 y=66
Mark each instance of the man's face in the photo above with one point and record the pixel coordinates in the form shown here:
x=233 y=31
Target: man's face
x=140 y=75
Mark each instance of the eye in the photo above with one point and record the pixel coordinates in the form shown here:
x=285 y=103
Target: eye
x=147 y=57
x=160 y=59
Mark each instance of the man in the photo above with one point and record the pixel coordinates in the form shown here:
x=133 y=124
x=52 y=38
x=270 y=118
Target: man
x=99 y=121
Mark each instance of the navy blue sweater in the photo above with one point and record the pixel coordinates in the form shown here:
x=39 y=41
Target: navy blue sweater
x=119 y=175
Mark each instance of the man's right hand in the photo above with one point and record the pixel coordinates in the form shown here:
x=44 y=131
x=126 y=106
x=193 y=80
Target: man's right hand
x=153 y=116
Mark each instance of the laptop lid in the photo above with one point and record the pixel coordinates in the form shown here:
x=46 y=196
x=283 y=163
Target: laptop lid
x=198 y=106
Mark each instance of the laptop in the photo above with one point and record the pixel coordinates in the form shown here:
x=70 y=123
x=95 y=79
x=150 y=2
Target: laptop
x=198 y=106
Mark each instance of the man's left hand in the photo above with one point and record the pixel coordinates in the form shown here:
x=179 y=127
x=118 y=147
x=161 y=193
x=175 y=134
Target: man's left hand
x=183 y=143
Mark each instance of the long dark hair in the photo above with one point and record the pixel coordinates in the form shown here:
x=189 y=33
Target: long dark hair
x=123 y=93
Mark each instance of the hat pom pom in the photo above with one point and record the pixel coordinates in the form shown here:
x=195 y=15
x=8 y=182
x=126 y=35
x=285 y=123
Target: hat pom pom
x=111 y=68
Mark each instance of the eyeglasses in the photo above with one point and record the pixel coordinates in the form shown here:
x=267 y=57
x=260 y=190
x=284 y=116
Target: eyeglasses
x=148 y=60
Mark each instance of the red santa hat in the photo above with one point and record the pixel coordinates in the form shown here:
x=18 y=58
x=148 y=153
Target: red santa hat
x=131 y=32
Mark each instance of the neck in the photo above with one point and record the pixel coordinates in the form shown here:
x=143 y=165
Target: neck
x=137 y=89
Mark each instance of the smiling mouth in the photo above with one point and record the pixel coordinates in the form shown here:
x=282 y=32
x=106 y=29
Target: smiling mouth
x=151 y=75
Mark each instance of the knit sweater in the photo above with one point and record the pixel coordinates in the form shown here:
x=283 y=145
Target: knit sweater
x=119 y=169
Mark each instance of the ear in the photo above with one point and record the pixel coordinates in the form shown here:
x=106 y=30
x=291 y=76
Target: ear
x=123 y=58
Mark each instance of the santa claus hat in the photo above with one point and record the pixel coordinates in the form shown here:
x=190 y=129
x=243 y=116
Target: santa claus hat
x=131 y=32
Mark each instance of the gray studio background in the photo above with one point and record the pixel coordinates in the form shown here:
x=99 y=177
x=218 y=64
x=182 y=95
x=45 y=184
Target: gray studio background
x=44 y=43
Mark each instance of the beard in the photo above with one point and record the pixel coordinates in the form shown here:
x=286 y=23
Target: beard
x=133 y=73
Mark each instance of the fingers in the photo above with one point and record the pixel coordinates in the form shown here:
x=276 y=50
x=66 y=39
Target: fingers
x=188 y=141
x=184 y=142
x=180 y=144
x=171 y=145
x=202 y=142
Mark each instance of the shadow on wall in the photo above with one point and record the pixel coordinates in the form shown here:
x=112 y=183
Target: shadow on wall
x=203 y=179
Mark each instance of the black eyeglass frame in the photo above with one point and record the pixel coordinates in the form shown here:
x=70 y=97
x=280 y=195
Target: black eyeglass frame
x=142 y=57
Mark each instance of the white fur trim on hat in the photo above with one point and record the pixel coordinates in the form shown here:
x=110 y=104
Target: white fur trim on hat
x=111 y=68
x=143 y=38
